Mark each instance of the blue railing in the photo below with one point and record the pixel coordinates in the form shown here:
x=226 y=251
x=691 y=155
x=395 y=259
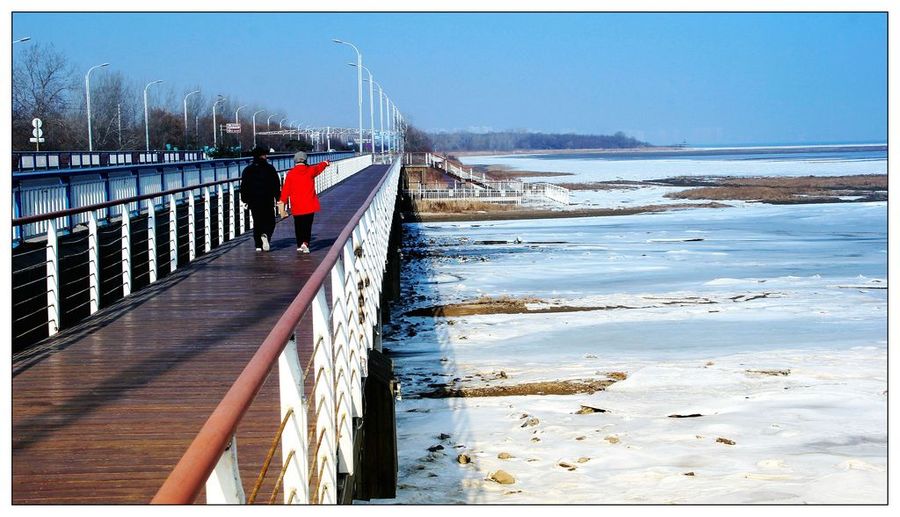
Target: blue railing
x=36 y=193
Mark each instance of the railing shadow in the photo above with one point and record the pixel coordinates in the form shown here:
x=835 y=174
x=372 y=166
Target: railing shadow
x=424 y=362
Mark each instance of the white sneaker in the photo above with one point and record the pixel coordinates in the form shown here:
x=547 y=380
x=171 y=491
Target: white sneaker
x=303 y=248
x=258 y=249
x=265 y=242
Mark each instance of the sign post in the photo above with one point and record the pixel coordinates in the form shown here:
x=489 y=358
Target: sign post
x=37 y=132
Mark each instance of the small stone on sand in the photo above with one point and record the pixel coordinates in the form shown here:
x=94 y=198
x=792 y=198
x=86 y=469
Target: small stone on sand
x=502 y=477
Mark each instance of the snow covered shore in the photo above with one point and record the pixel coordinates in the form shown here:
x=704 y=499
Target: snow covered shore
x=753 y=339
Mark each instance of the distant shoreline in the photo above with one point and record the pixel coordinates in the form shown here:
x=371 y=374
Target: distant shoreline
x=685 y=150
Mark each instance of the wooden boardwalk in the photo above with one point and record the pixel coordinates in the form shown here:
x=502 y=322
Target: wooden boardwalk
x=104 y=411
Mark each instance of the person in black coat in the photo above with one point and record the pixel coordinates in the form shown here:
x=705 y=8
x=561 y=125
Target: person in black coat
x=260 y=189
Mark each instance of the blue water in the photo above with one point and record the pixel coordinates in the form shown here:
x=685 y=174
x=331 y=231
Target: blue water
x=737 y=154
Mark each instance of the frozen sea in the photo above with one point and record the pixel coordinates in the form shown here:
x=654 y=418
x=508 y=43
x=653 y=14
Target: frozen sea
x=765 y=326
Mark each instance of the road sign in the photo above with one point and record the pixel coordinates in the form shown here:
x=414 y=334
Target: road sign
x=37 y=132
x=232 y=127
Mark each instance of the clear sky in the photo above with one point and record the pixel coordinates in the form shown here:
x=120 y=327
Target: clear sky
x=704 y=78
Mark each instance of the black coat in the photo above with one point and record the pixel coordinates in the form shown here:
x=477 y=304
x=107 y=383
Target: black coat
x=260 y=184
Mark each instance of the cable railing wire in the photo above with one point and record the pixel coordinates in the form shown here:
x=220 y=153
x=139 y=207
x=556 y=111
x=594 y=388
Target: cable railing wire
x=31 y=282
x=31 y=267
x=19 y=303
x=30 y=314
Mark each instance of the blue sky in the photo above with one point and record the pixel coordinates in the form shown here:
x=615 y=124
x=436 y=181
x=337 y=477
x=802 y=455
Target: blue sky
x=702 y=78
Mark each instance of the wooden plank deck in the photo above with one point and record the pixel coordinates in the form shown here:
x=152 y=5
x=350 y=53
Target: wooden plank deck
x=104 y=411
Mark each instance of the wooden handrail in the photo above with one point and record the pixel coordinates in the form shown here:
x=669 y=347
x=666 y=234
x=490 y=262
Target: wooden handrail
x=188 y=477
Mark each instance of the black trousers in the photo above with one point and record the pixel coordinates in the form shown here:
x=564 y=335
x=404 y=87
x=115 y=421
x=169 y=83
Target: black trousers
x=303 y=228
x=263 y=222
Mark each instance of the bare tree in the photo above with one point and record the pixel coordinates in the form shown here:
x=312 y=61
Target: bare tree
x=43 y=86
x=115 y=110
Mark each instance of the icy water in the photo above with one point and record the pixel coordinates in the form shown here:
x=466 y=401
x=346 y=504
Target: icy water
x=819 y=161
x=765 y=325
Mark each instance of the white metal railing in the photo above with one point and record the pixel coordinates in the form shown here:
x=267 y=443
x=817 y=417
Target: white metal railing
x=498 y=191
x=466 y=194
x=197 y=198
x=342 y=335
x=548 y=191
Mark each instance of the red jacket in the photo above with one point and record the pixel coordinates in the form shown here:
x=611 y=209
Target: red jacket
x=300 y=188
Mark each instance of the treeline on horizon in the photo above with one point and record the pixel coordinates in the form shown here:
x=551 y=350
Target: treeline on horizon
x=519 y=140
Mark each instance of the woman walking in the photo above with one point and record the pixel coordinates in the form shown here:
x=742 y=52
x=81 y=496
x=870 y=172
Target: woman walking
x=300 y=192
x=259 y=190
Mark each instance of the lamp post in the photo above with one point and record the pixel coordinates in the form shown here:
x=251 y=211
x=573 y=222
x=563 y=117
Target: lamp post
x=279 y=123
x=185 y=116
x=146 y=113
x=216 y=129
x=390 y=104
x=290 y=129
x=269 y=121
x=371 y=107
x=380 y=116
x=238 y=121
x=358 y=87
x=87 y=93
x=254 y=125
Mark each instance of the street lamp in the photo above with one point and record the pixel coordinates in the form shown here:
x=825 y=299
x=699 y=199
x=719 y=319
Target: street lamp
x=390 y=125
x=279 y=123
x=371 y=107
x=146 y=114
x=254 y=125
x=238 y=121
x=358 y=87
x=216 y=129
x=269 y=121
x=185 y=116
x=87 y=93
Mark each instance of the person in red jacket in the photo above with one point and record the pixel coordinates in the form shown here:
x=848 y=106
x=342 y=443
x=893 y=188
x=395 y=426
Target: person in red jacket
x=300 y=190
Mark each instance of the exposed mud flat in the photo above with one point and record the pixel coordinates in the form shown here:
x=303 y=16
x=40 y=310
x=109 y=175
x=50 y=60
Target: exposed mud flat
x=790 y=190
x=568 y=387
x=505 y=212
x=531 y=305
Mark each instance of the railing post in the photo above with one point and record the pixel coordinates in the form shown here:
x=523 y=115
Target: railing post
x=346 y=329
x=353 y=308
x=192 y=235
x=343 y=372
x=93 y=263
x=220 y=213
x=296 y=437
x=173 y=234
x=231 y=204
x=224 y=484
x=151 y=240
x=324 y=401
x=126 y=251
x=207 y=222
x=52 y=279
x=242 y=217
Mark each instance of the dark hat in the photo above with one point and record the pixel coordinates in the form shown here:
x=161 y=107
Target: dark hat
x=260 y=150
